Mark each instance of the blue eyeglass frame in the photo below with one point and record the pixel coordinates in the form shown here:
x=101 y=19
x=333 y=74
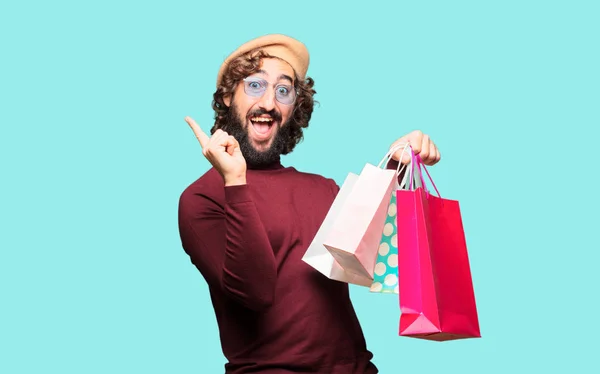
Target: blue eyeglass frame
x=264 y=84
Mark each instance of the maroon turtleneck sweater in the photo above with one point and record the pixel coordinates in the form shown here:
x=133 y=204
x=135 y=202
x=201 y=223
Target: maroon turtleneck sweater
x=276 y=314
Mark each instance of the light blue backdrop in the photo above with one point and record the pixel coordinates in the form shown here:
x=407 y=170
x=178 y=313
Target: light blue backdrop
x=95 y=152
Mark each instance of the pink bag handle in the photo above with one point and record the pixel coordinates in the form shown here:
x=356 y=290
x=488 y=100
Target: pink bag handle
x=416 y=160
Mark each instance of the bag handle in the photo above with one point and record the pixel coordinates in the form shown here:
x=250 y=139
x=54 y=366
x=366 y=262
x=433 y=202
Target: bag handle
x=391 y=152
x=416 y=160
x=400 y=167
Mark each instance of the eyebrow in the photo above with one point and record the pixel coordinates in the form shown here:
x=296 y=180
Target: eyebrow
x=282 y=76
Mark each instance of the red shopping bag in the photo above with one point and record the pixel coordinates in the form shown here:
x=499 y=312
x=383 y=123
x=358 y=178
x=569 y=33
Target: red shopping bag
x=437 y=300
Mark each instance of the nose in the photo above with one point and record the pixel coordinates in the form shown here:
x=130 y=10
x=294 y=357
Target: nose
x=267 y=100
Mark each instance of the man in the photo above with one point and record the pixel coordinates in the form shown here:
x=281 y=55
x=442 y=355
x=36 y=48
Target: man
x=247 y=222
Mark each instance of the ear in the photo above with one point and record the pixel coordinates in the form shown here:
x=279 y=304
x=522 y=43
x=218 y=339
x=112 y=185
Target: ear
x=227 y=100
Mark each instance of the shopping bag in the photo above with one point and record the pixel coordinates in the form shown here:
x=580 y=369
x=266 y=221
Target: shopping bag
x=385 y=273
x=436 y=294
x=317 y=255
x=356 y=232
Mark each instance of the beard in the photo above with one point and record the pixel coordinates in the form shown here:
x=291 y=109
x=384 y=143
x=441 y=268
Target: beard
x=256 y=159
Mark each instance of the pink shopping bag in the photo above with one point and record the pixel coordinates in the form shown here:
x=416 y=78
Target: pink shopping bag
x=437 y=299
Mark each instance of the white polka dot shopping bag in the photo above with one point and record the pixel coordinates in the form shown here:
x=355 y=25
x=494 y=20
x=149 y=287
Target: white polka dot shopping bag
x=385 y=274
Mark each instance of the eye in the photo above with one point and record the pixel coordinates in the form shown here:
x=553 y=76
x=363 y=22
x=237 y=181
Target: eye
x=254 y=85
x=283 y=90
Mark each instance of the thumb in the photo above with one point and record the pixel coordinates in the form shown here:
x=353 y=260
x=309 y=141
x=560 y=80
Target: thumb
x=401 y=153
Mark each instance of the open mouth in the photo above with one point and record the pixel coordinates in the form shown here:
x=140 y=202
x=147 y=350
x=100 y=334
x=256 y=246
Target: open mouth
x=262 y=125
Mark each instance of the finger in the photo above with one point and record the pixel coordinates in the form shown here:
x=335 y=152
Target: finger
x=212 y=147
x=399 y=145
x=406 y=158
x=217 y=139
x=402 y=153
x=433 y=153
x=237 y=149
x=220 y=141
x=200 y=135
x=230 y=145
x=430 y=154
x=415 y=139
x=425 y=144
x=438 y=155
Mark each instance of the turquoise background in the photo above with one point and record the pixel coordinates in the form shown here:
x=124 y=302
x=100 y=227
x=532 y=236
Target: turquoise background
x=95 y=152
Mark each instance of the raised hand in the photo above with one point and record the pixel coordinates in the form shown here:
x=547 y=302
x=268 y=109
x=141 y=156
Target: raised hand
x=223 y=152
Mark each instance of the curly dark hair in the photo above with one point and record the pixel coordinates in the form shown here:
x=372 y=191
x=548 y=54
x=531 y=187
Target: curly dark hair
x=248 y=64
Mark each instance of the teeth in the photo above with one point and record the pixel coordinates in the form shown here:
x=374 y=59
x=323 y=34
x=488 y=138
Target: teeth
x=261 y=119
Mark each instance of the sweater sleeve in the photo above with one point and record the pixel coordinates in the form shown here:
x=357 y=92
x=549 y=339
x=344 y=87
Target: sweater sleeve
x=229 y=245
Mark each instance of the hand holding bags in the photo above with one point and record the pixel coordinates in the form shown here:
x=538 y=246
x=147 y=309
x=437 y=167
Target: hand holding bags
x=437 y=300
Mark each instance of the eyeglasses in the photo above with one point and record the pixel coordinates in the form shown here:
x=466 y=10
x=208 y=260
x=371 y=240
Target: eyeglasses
x=256 y=87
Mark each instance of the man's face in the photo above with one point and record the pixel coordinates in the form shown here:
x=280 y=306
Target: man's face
x=263 y=116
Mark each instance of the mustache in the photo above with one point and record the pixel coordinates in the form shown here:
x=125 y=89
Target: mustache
x=273 y=113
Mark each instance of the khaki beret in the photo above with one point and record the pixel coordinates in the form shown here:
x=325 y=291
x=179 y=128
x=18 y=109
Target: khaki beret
x=284 y=47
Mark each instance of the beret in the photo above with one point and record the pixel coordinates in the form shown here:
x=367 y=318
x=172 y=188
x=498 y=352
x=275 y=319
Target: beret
x=284 y=47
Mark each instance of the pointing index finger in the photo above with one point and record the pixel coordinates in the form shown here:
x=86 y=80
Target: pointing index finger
x=200 y=135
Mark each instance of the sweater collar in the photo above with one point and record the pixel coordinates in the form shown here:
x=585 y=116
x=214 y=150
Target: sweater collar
x=275 y=165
